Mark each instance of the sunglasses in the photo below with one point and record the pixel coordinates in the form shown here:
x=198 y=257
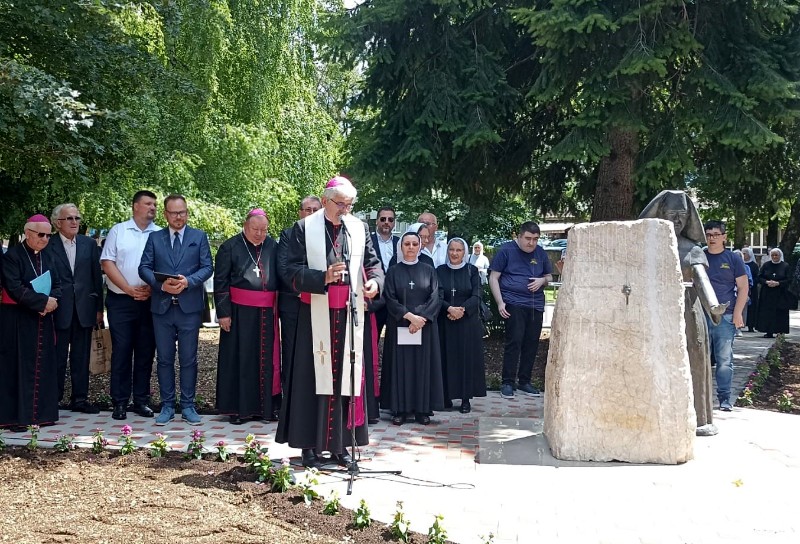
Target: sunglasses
x=76 y=218
x=386 y=219
x=41 y=234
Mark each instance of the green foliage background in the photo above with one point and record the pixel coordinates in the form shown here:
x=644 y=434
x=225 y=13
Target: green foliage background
x=216 y=100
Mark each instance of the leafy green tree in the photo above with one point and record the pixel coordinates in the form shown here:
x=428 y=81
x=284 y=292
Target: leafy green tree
x=442 y=104
x=643 y=85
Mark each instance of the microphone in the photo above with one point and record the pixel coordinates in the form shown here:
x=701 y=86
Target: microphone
x=345 y=250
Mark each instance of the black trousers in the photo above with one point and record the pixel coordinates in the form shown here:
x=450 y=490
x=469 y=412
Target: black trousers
x=133 y=346
x=523 y=329
x=74 y=344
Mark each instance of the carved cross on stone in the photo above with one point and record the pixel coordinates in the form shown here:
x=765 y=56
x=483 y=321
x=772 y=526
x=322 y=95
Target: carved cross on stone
x=322 y=353
x=411 y=284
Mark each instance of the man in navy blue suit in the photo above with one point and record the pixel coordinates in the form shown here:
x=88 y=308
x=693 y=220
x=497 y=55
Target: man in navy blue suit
x=177 y=302
x=385 y=244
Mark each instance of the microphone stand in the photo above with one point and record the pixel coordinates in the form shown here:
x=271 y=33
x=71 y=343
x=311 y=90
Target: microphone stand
x=352 y=468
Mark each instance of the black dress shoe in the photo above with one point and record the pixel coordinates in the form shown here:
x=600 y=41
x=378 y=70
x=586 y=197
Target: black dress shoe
x=235 y=420
x=448 y=403
x=119 y=412
x=373 y=420
x=423 y=419
x=275 y=416
x=84 y=407
x=310 y=459
x=768 y=335
x=342 y=459
x=17 y=429
x=398 y=419
x=142 y=410
x=465 y=407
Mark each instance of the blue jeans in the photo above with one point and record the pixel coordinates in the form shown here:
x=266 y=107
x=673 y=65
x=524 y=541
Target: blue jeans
x=721 y=343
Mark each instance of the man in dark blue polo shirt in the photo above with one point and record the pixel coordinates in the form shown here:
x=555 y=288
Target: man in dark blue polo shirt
x=518 y=274
x=729 y=280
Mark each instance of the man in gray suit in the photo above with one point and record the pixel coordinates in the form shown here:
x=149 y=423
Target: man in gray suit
x=77 y=260
x=184 y=256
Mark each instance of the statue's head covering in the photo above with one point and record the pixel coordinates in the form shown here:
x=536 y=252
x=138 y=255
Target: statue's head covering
x=667 y=201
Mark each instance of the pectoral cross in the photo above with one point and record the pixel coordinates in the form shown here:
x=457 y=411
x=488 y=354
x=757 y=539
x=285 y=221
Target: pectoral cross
x=257 y=270
x=411 y=284
x=453 y=293
x=322 y=353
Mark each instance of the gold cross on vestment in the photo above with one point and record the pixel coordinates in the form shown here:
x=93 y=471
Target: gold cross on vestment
x=322 y=353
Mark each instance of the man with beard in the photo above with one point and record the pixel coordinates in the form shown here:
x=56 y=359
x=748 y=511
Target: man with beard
x=316 y=414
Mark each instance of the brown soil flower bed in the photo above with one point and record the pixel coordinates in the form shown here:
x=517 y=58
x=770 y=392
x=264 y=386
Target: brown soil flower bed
x=783 y=379
x=81 y=497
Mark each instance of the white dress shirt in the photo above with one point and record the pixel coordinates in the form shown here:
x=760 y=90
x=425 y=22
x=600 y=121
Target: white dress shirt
x=439 y=253
x=386 y=247
x=124 y=246
x=70 y=247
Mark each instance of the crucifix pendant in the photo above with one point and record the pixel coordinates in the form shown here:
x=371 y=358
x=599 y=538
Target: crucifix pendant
x=411 y=284
x=257 y=270
x=453 y=293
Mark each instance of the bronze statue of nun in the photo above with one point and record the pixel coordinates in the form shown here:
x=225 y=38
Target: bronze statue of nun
x=699 y=298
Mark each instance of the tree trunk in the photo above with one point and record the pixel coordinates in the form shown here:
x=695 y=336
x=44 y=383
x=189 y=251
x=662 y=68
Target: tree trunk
x=792 y=233
x=613 y=197
x=772 y=230
x=740 y=216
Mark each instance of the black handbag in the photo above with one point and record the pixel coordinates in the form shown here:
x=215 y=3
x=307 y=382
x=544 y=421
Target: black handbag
x=485 y=312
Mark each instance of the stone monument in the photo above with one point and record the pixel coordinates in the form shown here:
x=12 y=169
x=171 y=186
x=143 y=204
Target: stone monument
x=618 y=384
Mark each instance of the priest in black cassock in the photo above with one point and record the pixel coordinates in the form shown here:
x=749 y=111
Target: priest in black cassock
x=316 y=415
x=245 y=293
x=411 y=382
x=460 y=327
x=31 y=288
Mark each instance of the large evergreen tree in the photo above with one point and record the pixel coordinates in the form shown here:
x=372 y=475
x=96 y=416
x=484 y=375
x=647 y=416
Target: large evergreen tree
x=645 y=85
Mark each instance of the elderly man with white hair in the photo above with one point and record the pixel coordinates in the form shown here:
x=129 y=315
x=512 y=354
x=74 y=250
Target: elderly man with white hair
x=31 y=289
x=316 y=414
x=77 y=260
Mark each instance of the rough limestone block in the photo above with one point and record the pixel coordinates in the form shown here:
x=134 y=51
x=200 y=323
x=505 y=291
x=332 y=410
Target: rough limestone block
x=618 y=384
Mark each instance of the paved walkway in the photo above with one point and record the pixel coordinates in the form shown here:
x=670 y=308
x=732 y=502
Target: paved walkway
x=491 y=471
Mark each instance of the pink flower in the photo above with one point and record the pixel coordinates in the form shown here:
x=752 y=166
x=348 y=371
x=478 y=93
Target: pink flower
x=285 y=462
x=221 y=444
x=197 y=434
x=126 y=430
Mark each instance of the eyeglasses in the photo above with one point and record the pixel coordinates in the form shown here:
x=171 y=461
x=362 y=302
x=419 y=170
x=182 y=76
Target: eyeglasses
x=310 y=210
x=714 y=234
x=41 y=234
x=386 y=219
x=76 y=218
x=181 y=213
x=428 y=223
x=342 y=205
